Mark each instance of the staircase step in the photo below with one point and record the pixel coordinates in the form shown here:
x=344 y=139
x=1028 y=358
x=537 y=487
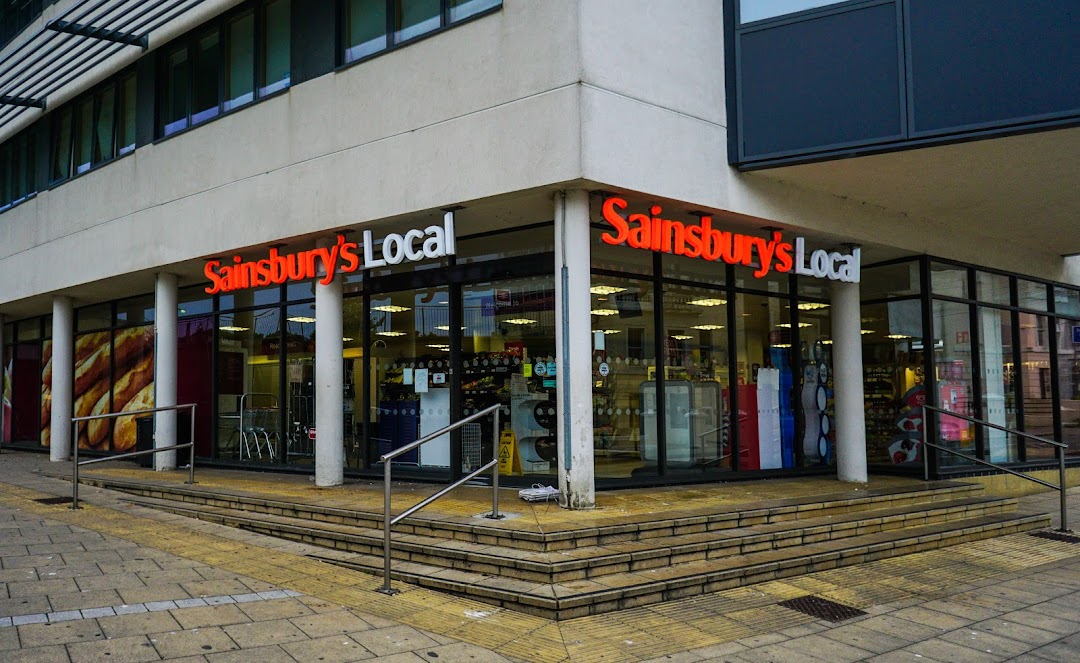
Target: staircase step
x=570 y=538
x=631 y=589
x=593 y=561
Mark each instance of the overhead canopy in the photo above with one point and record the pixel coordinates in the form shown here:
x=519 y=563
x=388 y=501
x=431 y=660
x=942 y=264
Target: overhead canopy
x=75 y=42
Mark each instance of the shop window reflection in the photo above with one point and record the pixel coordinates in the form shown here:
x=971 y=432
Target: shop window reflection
x=248 y=385
x=508 y=357
x=696 y=380
x=1068 y=377
x=1034 y=374
x=894 y=384
x=952 y=363
x=766 y=418
x=998 y=382
x=299 y=351
x=625 y=434
x=815 y=385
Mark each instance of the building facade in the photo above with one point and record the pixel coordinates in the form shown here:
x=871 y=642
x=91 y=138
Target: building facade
x=676 y=241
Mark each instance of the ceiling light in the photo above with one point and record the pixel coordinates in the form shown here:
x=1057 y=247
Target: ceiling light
x=811 y=306
x=781 y=345
x=439 y=346
x=681 y=337
x=520 y=321
x=707 y=302
x=898 y=337
x=446 y=327
x=606 y=289
x=301 y=319
x=604 y=311
x=390 y=333
x=346 y=339
x=230 y=328
x=787 y=325
x=390 y=308
x=708 y=327
x=827 y=341
x=866 y=331
x=608 y=331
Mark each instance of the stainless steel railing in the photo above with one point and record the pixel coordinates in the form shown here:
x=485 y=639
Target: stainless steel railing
x=386 y=459
x=1059 y=447
x=75 y=463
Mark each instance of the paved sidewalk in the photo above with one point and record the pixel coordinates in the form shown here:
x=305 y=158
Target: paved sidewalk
x=123 y=583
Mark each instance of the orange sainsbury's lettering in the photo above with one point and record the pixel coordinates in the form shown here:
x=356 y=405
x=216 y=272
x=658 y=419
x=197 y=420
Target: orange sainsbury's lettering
x=652 y=232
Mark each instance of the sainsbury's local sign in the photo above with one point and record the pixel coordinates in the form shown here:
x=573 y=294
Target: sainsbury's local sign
x=701 y=240
x=323 y=263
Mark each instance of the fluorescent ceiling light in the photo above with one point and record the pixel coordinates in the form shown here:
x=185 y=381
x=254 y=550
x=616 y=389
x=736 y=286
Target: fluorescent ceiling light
x=708 y=327
x=447 y=327
x=866 y=331
x=301 y=319
x=898 y=337
x=811 y=306
x=827 y=341
x=230 y=328
x=520 y=321
x=787 y=325
x=390 y=333
x=707 y=302
x=608 y=331
x=390 y=308
x=604 y=311
x=681 y=337
x=346 y=339
x=781 y=345
x=606 y=289
x=439 y=346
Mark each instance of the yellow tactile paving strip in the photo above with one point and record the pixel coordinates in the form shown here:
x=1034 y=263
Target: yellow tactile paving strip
x=628 y=635
x=613 y=507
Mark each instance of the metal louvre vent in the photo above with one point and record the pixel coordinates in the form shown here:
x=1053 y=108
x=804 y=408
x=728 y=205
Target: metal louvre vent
x=73 y=43
x=54 y=500
x=815 y=606
x=1057 y=536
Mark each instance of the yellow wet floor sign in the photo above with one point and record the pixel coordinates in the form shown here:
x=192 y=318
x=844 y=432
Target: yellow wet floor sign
x=509 y=458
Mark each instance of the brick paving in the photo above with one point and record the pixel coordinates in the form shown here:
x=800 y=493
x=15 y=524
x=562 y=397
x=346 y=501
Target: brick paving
x=124 y=583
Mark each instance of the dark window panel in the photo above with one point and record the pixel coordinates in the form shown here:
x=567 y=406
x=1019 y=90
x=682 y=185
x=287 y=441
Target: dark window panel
x=275 y=47
x=205 y=71
x=175 y=99
x=61 y=146
x=240 y=64
x=84 y=134
x=413 y=18
x=126 y=125
x=104 y=132
x=365 y=28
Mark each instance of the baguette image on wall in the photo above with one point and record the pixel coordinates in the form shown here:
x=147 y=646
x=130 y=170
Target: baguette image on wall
x=46 y=392
x=114 y=372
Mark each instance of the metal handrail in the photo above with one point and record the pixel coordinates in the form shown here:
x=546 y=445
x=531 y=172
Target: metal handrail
x=1060 y=452
x=75 y=463
x=389 y=521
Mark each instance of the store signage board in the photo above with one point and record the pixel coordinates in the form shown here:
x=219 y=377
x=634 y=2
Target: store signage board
x=701 y=240
x=343 y=257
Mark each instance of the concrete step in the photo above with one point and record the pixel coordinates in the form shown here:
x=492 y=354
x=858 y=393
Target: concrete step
x=570 y=538
x=593 y=561
x=631 y=589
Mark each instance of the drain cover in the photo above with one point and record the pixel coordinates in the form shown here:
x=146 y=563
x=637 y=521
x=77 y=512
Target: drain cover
x=54 y=500
x=1057 y=536
x=815 y=606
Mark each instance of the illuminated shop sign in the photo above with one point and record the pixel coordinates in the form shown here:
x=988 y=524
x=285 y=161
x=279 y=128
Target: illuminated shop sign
x=701 y=240
x=343 y=257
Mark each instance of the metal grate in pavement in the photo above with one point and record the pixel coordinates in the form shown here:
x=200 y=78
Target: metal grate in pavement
x=815 y=606
x=1057 y=536
x=54 y=500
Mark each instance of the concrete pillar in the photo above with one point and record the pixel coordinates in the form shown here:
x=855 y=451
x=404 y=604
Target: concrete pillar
x=573 y=343
x=165 y=313
x=848 y=382
x=63 y=375
x=329 y=380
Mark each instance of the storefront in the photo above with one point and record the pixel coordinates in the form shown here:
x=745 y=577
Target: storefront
x=711 y=343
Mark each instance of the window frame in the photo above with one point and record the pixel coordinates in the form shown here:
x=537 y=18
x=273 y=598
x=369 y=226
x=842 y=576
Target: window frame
x=118 y=83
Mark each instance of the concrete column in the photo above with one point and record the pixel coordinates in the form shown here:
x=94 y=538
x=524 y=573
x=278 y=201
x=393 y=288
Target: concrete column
x=63 y=376
x=848 y=382
x=329 y=380
x=573 y=343
x=165 y=434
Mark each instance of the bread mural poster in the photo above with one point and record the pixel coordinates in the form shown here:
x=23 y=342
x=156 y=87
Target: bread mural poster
x=114 y=372
x=46 y=391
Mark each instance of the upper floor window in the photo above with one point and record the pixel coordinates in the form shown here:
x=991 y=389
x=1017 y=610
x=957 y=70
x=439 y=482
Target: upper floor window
x=371 y=26
x=17 y=164
x=225 y=66
x=759 y=10
x=93 y=129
